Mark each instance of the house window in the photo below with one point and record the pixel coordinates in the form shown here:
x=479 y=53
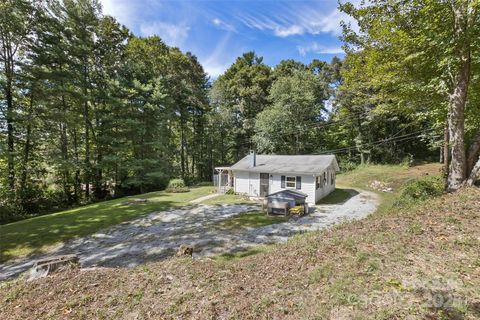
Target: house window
x=291 y=182
x=317 y=182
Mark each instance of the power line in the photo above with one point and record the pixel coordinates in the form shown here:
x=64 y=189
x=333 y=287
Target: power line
x=379 y=141
x=393 y=138
x=403 y=140
x=348 y=117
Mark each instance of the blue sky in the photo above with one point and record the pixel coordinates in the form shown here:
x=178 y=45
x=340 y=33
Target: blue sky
x=218 y=31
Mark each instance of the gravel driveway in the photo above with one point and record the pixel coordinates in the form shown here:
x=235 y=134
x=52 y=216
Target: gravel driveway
x=158 y=235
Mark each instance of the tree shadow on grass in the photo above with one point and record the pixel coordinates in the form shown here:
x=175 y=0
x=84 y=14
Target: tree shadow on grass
x=338 y=196
x=29 y=237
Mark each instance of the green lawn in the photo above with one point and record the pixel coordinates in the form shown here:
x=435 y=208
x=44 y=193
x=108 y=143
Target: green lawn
x=394 y=175
x=254 y=219
x=338 y=196
x=36 y=234
x=228 y=199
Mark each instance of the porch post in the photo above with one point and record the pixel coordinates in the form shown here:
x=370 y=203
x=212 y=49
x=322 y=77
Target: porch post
x=220 y=171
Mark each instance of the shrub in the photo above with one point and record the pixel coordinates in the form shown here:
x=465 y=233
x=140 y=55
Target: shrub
x=346 y=166
x=421 y=189
x=408 y=160
x=8 y=214
x=177 y=185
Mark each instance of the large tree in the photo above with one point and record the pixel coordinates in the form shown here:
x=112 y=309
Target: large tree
x=242 y=92
x=17 y=19
x=422 y=50
x=289 y=124
x=89 y=110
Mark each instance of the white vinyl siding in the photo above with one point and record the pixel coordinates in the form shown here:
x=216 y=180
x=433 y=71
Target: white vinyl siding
x=254 y=184
x=308 y=185
x=327 y=183
x=242 y=182
x=248 y=183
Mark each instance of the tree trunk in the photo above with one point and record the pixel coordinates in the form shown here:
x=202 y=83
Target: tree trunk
x=10 y=134
x=77 y=171
x=8 y=69
x=87 y=133
x=446 y=153
x=26 y=150
x=99 y=186
x=456 y=124
x=458 y=99
x=182 y=143
x=474 y=174
x=473 y=152
x=64 y=151
x=359 y=141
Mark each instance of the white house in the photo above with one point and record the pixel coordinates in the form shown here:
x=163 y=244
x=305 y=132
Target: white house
x=260 y=175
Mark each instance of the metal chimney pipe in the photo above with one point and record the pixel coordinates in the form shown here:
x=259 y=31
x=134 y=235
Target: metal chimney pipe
x=253 y=158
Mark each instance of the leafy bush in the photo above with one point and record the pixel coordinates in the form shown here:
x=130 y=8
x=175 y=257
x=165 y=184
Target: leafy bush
x=346 y=166
x=408 y=160
x=421 y=189
x=176 y=186
x=34 y=201
x=8 y=214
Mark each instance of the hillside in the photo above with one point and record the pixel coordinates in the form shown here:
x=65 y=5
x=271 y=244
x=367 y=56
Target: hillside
x=414 y=262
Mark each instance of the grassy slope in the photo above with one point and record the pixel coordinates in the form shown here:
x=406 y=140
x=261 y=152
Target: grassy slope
x=395 y=176
x=387 y=266
x=36 y=234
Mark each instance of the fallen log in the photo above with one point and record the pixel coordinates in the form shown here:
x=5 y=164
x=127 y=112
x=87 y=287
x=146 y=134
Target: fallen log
x=44 y=267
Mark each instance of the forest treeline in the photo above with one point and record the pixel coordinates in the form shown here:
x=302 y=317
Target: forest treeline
x=90 y=111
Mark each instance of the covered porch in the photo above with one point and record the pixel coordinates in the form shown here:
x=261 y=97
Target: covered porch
x=223 y=179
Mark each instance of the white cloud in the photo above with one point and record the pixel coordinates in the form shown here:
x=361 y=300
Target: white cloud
x=316 y=22
x=219 y=59
x=319 y=49
x=214 y=69
x=298 y=20
x=124 y=11
x=130 y=13
x=288 y=31
x=173 y=35
x=219 y=23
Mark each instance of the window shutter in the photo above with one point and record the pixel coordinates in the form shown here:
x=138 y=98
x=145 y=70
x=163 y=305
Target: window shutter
x=283 y=182
x=299 y=182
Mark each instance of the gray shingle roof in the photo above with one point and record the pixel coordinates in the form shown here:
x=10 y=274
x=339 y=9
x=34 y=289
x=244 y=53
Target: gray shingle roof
x=306 y=164
x=294 y=193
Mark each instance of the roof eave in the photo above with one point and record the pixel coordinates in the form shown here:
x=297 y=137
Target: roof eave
x=279 y=172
